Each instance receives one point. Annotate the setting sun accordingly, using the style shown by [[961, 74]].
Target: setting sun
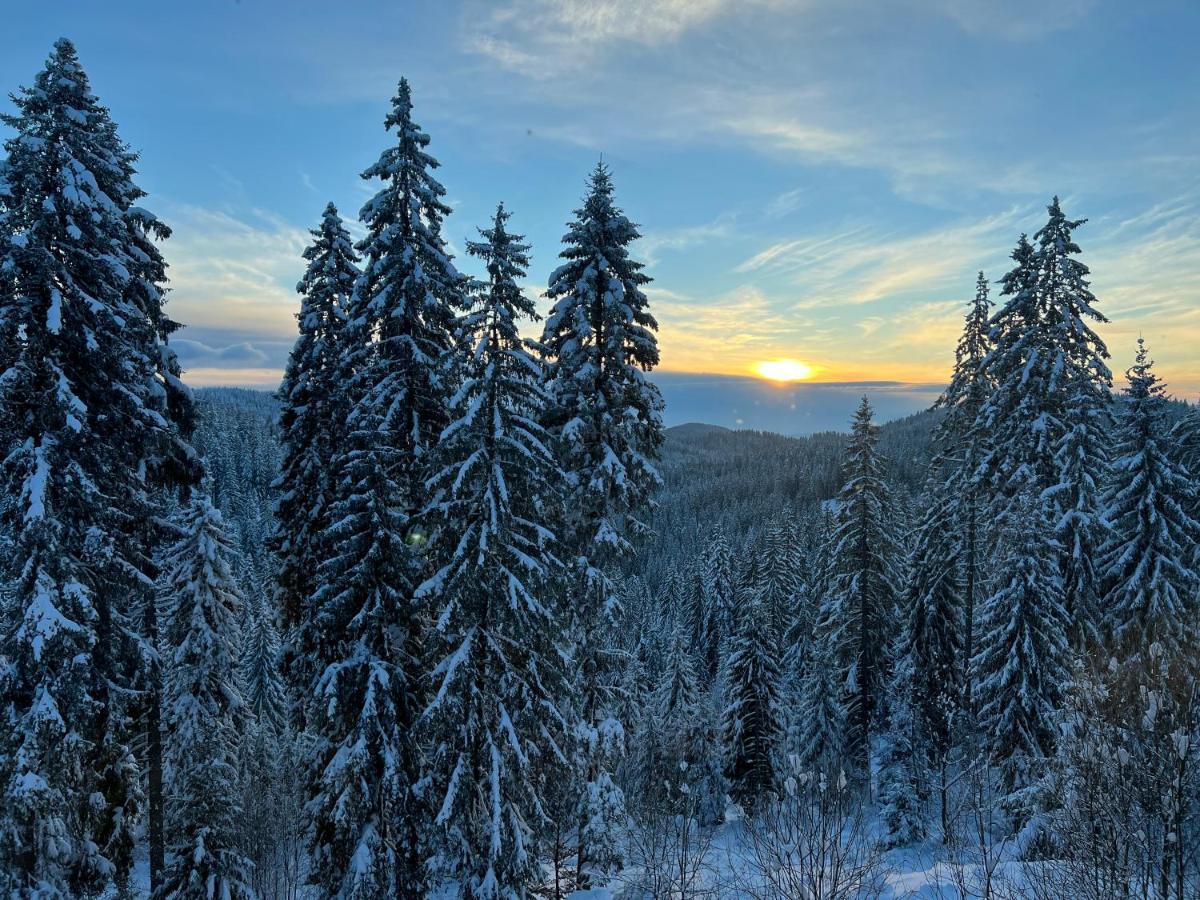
[[784, 370]]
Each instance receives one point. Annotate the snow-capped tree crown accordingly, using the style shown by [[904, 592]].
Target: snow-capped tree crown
[[599, 335]]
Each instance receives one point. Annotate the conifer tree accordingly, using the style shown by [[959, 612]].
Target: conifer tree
[[1185, 450], [713, 599], [903, 775], [407, 298], [495, 719], [818, 737], [365, 626], [753, 721], [606, 420], [1147, 561], [313, 413], [92, 420], [1046, 415], [364, 819], [271, 804], [204, 713], [803, 637], [780, 570], [931, 644], [926, 686], [959, 447], [859, 609], [262, 684], [1021, 663], [682, 754]]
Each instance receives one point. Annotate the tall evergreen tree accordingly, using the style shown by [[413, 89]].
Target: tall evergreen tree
[[681, 742], [753, 721], [960, 446], [1185, 444], [312, 416], [366, 628], [205, 716], [92, 419], [780, 567], [1046, 415], [364, 818], [1147, 562], [495, 720], [931, 645], [818, 730], [408, 297], [259, 663], [859, 609], [711, 602], [271, 813], [927, 684], [1021, 663], [606, 419]]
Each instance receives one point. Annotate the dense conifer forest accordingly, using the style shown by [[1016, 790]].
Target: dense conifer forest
[[452, 614]]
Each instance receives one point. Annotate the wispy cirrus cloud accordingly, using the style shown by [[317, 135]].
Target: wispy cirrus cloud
[[545, 38], [233, 285], [861, 265], [1016, 20], [655, 244], [227, 267], [1145, 272]]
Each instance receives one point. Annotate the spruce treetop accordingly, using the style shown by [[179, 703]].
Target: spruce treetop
[[1147, 559], [599, 335], [405, 303]]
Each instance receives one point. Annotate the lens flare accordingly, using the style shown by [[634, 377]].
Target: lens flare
[[784, 370]]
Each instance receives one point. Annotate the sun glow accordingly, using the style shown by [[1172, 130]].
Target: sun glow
[[784, 370]]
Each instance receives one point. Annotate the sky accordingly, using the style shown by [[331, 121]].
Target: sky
[[817, 180]]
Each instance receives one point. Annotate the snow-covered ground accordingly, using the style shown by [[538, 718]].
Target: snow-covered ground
[[921, 873], [907, 874]]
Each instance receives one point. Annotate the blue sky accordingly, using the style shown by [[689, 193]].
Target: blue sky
[[815, 180]]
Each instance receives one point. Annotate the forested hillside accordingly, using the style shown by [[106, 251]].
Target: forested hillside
[[740, 482]]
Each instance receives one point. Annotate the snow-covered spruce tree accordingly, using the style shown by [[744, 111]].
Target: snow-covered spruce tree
[[817, 735], [267, 831], [1081, 453], [1185, 438], [960, 446], [711, 606], [1185, 450], [407, 299], [1022, 660], [802, 637], [261, 679], [781, 573], [91, 421], [681, 751], [1147, 563], [926, 686], [204, 712], [313, 414], [753, 720], [364, 819], [904, 776], [1046, 415], [606, 420], [859, 607], [495, 716], [363, 623]]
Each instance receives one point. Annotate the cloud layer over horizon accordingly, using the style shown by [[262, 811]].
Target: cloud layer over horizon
[[814, 180]]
